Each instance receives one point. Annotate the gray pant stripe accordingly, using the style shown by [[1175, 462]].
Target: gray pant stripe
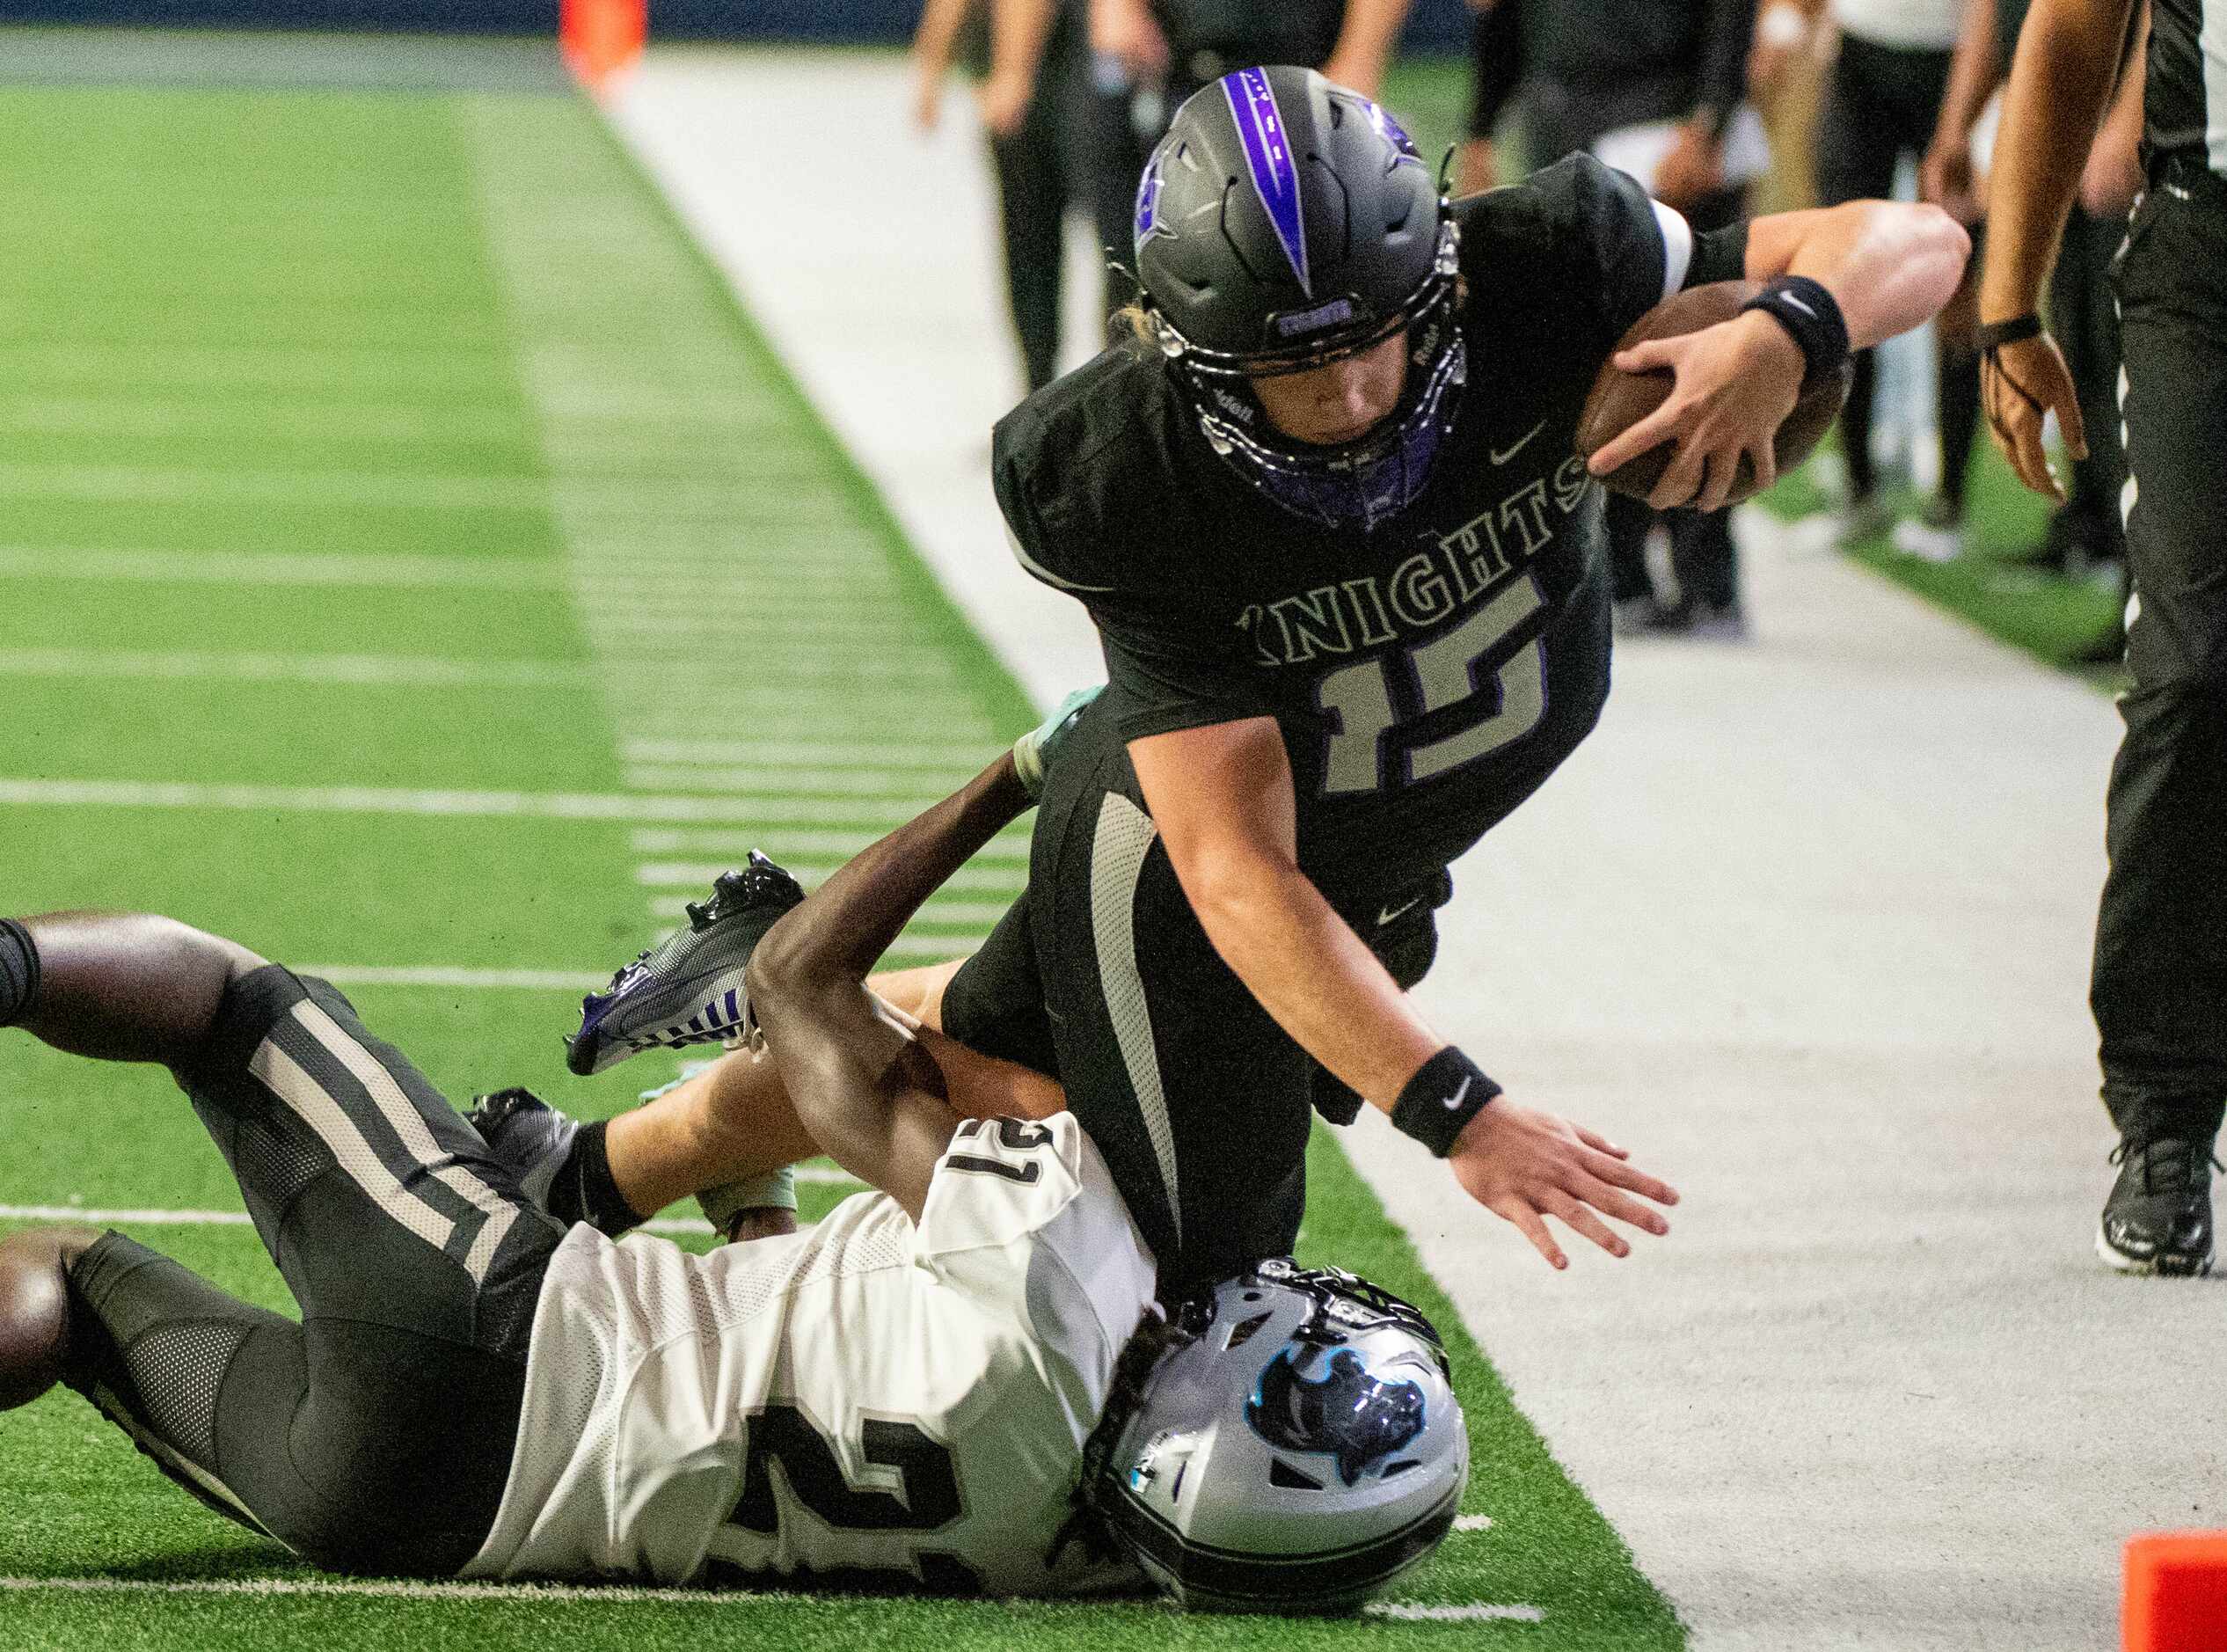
[[409, 1125], [338, 1131], [1125, 834]]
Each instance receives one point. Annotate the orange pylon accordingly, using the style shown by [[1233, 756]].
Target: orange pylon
[[2176, 1592], [601, 37]]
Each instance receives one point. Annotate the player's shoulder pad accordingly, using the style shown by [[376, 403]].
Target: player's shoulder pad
[[1577, 204], [1071, 464], [1000, 1180]]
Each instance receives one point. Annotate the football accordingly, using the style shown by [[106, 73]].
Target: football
[[34, 1318], [1618, 399]]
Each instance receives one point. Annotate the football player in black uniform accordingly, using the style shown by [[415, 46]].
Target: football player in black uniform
[[1349, 580]]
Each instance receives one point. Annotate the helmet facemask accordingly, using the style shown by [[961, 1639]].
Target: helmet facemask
[[1362, 482]]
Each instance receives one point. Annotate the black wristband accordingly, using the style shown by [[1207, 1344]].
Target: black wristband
[[1996, 335], [1812, 319], [1447, 1092]]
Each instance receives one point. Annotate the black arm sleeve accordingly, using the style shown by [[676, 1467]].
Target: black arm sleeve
[[1721, 255]]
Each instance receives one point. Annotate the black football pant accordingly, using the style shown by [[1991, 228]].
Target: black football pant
[[375, 1435], [1043, 169], [1881, 105], [2159, 990], [1102, 976]]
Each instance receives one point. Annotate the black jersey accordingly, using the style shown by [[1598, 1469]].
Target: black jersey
[[1428, 675], [2185, 94]]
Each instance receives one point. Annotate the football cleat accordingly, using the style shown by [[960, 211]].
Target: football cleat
[[688, 990], [2158, 1219], [533, 1138]]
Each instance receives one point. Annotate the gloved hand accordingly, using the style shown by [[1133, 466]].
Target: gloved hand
[[1034, 751]]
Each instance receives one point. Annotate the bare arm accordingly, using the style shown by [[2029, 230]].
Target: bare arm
[[1019, 30], [1365, 44], [932, 42], [1222, 797], [2066, 65], [1944, 175], [862, 1086]]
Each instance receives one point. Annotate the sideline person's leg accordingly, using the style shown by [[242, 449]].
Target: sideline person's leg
[[377, 1433], [1856, 161], [2161, 937]]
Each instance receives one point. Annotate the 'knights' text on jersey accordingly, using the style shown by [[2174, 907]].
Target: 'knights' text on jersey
[[1427, 676]]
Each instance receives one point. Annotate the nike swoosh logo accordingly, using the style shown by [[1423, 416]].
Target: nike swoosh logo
[[1502, 456], [1455, 1100], [1788, 298], [1393, 914]]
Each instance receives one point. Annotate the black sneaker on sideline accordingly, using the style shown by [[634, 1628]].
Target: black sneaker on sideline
[[2158, 1219], [688, 990]]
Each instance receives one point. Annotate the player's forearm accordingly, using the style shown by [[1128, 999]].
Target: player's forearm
[[1972, 76], [1889, 266], [933, 40], [1366, 39], [2066, 65], [1314, 977], [1017, 32], [849, 921]]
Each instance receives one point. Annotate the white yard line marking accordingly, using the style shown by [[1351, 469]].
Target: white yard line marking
[[568, 1593], [806, 753], [1472, 1523], [358, 670], [446, 976], [364, 799], [833, 782], [668, 874], [1010, 845], [228, 568], [1402, 1612]]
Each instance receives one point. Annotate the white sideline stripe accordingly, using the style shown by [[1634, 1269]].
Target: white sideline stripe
[[366, 800], [1403, 1612], [229, 567], [616, 1594], [1472, 1523]]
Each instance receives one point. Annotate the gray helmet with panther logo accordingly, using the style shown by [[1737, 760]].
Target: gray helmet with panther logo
[[1298, 1449], [1284, 222]]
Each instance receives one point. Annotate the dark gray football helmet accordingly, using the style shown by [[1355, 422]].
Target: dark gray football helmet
[[1281, 224]]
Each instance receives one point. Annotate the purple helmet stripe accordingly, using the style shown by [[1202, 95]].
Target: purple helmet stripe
[[1267, 153]]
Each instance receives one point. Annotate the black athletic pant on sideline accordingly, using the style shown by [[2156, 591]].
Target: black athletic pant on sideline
[[2159, 990], [375, 1435], [1882, 104], [2083, 319], [1042, 171]]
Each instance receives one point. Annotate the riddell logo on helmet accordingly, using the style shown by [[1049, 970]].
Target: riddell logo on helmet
[[1336, 312]]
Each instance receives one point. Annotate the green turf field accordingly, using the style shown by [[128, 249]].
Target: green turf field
[[412, 564]]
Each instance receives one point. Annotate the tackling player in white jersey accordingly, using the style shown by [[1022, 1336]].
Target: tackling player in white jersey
[[931, 1390]]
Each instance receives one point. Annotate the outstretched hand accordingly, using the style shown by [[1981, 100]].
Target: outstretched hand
[[1524, 1166], [2020, 383], [1732, 386]]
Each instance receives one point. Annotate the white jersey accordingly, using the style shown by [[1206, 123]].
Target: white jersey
[[869, 1397]]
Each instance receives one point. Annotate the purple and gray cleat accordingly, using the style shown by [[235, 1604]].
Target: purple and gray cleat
[[689, 990]]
